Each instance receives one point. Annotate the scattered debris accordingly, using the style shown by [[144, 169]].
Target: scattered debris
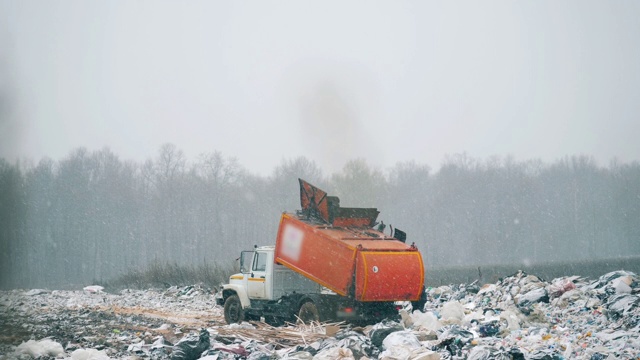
[[89, 354], [93, 289], [36, 349], [33, 292], [191, 346], [519, 317]]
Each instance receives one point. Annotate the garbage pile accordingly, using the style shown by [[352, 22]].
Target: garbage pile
[[523, 317], [519, 317], [117, 324]]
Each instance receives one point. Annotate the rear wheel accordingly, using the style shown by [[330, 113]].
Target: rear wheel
[[308, 313], [233, 312]]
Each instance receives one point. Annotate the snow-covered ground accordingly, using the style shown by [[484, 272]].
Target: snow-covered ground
[[520, 317]]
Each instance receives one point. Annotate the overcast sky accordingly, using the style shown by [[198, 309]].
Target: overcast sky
[[265, 81]]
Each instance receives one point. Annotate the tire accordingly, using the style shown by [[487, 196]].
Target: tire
[[233, 311], [308, 313]]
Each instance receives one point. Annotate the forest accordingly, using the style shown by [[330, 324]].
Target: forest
[[92, 216]]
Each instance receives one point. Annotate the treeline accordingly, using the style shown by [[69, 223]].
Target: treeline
[[92, 216]]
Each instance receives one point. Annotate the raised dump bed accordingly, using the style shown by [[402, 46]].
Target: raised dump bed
[[339, 249]]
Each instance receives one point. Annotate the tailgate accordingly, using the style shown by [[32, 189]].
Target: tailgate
[[389, 276]]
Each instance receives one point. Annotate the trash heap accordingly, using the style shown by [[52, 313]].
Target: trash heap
[[519, 317], [116, 324], [524, 317]]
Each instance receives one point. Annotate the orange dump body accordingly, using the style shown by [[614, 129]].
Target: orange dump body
[[353, 261]]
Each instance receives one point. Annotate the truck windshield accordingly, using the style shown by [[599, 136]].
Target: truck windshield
[[245, 261]]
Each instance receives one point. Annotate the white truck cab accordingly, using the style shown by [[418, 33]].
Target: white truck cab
[[262, 286]]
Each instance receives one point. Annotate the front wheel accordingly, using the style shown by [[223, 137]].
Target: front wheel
[[308, 313], [233, 312]]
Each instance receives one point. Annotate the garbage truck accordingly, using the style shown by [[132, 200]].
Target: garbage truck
[[329, 263]]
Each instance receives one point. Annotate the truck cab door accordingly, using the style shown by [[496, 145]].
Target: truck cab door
[[246, 261], [256, 285]]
